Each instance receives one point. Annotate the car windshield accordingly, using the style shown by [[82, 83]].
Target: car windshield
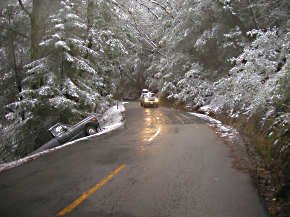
[[149, 95], [58, 129]]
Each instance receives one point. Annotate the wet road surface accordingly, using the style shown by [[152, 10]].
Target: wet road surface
[[162, 163]]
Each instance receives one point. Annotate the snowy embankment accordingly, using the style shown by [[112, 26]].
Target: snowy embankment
[[111, 120], [222, 130]]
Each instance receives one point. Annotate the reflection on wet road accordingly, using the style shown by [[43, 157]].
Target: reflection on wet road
[[156, 119], [152, 125], [157, 124]]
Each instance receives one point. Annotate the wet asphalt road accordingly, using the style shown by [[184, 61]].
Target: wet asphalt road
[[173, 166]]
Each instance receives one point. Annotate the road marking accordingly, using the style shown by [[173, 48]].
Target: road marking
[[85, 195], [156, 134]]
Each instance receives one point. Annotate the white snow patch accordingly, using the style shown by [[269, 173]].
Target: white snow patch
[[113, 115], [56, 36], [205, 108], [205, 117], [224, 131], [80, 25], [72, 16], [62, 44], [46, 42], [59, 26], [112, 119]]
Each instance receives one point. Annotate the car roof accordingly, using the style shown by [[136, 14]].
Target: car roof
[[149, 93]]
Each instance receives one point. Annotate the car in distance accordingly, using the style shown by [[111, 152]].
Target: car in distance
[[149, 99], [86, 127], [145, 91]]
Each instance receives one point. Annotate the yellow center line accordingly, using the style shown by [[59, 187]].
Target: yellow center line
[[156, 134], [89, 192]]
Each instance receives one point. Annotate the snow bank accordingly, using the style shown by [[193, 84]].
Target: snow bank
[[224, 131], [112, 116], [111, 120], [205, 117]]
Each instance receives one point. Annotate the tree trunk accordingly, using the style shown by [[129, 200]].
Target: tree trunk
[[35, 29], [90, 19], [14, 65], [12, 58]]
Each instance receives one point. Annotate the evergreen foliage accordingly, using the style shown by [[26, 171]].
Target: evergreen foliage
[[63, 78]]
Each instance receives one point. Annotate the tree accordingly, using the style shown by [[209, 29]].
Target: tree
[[35, 19], [13, 45], [35, 29], [64, 85]]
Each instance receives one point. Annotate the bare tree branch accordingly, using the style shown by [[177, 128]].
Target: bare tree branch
[[143, 35], [163, 7], [253, 14], [149, 9], [24, 9]]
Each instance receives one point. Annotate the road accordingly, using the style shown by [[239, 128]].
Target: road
[[162, 163]]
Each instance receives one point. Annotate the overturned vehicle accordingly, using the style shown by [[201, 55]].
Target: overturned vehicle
[[63, 133]]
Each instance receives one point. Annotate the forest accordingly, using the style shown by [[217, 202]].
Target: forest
[[62, 60]]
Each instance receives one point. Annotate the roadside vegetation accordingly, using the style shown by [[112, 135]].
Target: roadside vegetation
[[63, 60]]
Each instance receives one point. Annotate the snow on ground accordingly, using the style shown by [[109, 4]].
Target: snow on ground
[[222, 130], [112, 117], [205, 117], [111, 120]]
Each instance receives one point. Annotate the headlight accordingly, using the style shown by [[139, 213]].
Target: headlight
[[146, 100], [156, 99]]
